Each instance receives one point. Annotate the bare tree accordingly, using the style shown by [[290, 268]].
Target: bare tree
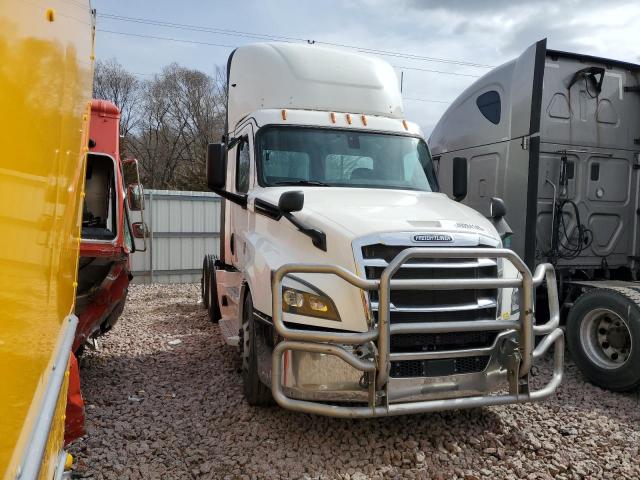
[[167, 120], [114, 83]]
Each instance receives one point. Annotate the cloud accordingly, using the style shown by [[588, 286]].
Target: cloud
[[488, 32]]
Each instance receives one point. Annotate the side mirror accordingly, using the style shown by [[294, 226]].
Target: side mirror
[[140, 230], [497, 208], [216, 165], [459, 178], [291, 201], [135, 197]]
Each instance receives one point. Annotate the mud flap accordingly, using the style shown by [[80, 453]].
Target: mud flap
[[74, 414]]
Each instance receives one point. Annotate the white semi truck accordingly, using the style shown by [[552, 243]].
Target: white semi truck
[[351, 286]]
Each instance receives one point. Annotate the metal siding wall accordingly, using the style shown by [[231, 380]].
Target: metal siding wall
[[184, 227]]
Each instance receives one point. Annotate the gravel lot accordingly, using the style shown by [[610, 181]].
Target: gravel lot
[[157, 408]]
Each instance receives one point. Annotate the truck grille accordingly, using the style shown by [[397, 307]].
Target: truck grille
[[437, 342], [411, 306], [438, 368]]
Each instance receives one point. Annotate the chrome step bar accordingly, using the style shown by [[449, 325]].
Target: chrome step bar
[[331, 342]]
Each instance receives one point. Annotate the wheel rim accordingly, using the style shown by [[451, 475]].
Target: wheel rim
[[606, 338]]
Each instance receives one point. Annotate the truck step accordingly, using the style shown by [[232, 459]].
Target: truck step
[[229, 332]]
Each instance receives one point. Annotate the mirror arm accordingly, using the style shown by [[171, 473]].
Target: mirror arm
[[128, 220], [233, 142], [501, 226], [267, 209], [240, 200], [318, 237]]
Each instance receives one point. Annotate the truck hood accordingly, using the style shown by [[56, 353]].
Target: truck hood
[[358, 212]]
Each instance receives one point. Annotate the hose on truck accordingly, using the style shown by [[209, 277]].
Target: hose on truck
[[563, 245]]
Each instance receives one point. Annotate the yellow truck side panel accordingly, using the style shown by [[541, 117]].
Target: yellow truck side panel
[[46, 63]]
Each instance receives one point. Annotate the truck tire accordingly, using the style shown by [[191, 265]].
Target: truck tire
[[213, 307], [256, 393], [603, 336], [204, 282]]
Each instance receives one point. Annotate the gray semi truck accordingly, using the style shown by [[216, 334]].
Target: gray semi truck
[[557, 136]]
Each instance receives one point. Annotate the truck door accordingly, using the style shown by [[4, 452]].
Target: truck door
[[241, 161], [236, 220]]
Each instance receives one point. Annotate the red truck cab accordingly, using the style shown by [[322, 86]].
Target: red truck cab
[[104, 269]]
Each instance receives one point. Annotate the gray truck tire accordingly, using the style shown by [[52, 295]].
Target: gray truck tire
[[603, 336]]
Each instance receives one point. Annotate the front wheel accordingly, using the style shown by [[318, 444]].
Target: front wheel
[[256, 393], [603, 336]]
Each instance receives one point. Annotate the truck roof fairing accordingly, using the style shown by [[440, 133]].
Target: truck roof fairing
[[309, 77]]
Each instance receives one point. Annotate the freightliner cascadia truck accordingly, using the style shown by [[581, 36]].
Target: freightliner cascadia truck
[[351, 285], [556, 135]]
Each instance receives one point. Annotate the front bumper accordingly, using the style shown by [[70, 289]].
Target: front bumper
[[352, 370]]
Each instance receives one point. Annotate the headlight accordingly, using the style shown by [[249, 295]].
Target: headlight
[[309, 304]]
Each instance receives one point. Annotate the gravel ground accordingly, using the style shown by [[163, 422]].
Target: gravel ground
[[158, 408]]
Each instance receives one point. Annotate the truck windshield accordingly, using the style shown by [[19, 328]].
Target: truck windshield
[[340, 158]]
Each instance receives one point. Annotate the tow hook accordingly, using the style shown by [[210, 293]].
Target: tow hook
[[510, 357]]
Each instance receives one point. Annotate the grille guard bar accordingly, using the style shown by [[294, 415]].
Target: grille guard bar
[[378, 369]]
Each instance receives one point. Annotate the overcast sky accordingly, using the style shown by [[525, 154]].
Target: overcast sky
[[487, 32]]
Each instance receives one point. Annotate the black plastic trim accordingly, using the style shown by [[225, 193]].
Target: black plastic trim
[[232, 197], [532, 203], [534, 155], [267, 209], [536, 93], [318, 237]]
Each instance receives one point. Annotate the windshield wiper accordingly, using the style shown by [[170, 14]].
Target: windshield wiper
[[311, 183]]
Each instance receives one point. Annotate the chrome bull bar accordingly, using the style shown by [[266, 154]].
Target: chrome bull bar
[[332, 343]]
